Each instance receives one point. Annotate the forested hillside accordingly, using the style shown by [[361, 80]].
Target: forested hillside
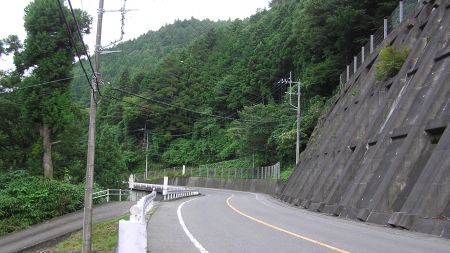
[[206, 91]]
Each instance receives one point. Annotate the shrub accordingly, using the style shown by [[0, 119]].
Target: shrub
[[390, 62], [26, 200]]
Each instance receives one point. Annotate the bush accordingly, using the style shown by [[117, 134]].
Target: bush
[[391, 61], [26, 200]]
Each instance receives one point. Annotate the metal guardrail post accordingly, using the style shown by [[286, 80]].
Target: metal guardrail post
[[355, 65], [385, 30], [107, 196], [120, 194]]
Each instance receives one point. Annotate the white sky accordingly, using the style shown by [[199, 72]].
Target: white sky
[[150, 15]]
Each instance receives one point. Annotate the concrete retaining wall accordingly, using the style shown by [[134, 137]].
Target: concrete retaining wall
[[382, 153], [251, 185]]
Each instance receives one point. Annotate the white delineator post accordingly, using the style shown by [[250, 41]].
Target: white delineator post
[[184, 169]]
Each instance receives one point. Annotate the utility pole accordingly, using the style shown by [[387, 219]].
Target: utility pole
[[297, 152], [290, 82], [87, 221], [146, 151]]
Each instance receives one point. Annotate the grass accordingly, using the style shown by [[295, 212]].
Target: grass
[[286, 173], [104, 237], [390, 62]]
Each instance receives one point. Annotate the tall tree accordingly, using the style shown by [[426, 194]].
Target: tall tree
[[48, 55]]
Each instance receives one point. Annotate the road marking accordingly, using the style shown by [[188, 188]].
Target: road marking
[[284, 230], [186, 230]]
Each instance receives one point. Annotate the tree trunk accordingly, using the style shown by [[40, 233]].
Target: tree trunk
[[47, 145]]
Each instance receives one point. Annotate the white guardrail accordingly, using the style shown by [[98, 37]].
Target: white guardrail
[[133, 233]]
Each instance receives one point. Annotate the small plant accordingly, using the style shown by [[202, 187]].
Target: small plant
[[391, 60], [355, 92]]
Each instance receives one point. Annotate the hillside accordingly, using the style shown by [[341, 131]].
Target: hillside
[[213, 96], [205, 91], [381, 154]]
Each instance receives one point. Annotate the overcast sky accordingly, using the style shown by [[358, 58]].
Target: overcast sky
[[146, 15]]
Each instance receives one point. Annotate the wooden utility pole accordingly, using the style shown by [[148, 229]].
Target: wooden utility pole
[[87, 221]]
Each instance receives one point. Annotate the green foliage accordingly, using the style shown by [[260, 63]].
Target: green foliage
[[230, 164], [26, 200], [390, 62], [286, 173]]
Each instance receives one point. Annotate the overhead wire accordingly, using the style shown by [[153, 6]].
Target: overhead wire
[[61, 10], [84, 46], [184, 108], [42, 84]]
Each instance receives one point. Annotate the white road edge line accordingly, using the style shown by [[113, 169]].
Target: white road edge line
[[186, 230]]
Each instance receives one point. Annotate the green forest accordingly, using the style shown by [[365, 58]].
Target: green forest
[[205, 91]]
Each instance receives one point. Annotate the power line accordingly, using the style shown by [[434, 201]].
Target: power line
[[44, 83], [131, 103], [185, 109], [84, 46], [61, 10]]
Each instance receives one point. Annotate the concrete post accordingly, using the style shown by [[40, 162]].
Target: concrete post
[[363, 54], [348, 73], [132, 237], [385, 32], [401, 11], [372, 40], [166, 182]]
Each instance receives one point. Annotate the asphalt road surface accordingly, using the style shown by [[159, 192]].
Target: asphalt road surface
[[230, 221], [60, 226]]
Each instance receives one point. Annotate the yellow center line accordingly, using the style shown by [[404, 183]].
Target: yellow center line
[[284, 230]]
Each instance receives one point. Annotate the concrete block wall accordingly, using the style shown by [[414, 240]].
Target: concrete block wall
[[382, 153]]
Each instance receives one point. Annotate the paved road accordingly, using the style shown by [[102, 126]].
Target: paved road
[[59, 226], [229, 221]]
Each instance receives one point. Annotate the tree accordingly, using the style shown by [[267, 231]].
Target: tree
[[9, 45], [48, 55]]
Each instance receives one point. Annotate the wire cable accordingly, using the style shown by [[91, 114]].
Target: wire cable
[[186, 109], [61, 10], [84, 46], [41, 84]]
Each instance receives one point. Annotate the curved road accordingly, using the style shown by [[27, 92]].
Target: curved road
[[231, 221]]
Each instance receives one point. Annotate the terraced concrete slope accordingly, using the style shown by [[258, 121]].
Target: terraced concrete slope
[[382, 153]]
